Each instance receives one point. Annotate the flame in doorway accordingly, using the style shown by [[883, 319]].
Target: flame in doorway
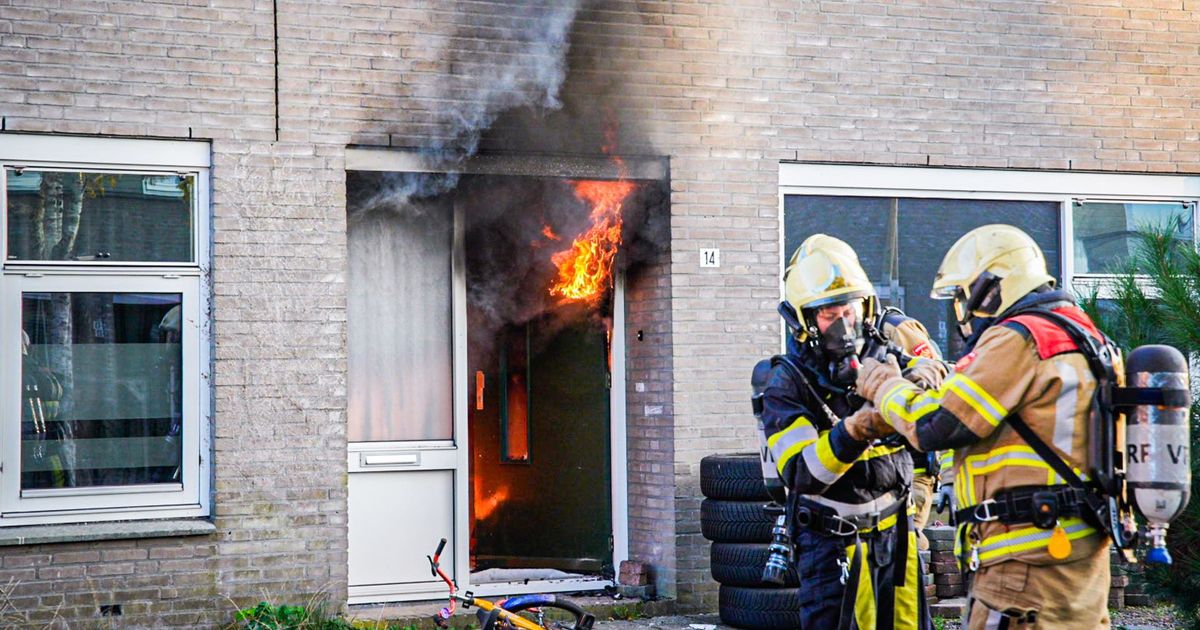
[[585, 270], [485, 503]]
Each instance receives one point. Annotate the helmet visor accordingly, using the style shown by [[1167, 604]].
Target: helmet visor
[[944, 293], [830, 313]]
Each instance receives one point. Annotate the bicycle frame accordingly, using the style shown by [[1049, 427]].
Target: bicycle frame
[[468, 600]]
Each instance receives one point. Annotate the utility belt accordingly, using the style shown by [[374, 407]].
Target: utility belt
[[1040, 505], [825, 520]]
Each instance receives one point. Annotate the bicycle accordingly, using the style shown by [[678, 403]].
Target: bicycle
[[505, 614]]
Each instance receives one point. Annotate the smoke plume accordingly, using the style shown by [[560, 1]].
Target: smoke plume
[[503, 57]]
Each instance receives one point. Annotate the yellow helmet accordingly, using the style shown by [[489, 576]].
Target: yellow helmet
[[822, 271], [988, 270]]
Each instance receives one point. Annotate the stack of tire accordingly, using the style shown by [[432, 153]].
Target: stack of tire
[[733, 518]]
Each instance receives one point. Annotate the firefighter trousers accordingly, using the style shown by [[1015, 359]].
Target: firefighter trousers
[[883, 580], [1020, 596]]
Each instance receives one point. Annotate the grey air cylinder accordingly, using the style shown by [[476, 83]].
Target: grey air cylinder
[[1157, 447]]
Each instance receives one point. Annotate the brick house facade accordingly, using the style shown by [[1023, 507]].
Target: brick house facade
[[726, 91]]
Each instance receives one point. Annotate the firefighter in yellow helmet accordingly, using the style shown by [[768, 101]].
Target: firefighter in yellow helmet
[[848, 495], [1016, 411]]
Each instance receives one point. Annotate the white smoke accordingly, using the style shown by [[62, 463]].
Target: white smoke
[[503, 57]]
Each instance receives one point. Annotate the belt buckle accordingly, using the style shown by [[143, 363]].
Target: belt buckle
[[987, 516], [872, 521], [843, 527]]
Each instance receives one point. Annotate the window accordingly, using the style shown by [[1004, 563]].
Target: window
[[902, 220], [900, 243], [103, 353], [1105, 236]]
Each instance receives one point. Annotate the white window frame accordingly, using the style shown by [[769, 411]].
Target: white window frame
[[192, 280], [1063, 187]]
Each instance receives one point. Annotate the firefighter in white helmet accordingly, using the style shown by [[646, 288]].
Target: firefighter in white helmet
[[848, 495], [1016, 413]]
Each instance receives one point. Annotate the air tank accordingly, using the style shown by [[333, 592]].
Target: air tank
[[1157, 447], [758, 381]]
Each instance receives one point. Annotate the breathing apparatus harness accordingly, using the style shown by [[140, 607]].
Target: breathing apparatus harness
[[1102, 501], [1097, 500], [808, 514]]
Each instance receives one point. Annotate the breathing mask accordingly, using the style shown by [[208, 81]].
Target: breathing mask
[[841, 344]]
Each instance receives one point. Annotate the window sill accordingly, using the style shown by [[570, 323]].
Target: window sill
[[119, 530]]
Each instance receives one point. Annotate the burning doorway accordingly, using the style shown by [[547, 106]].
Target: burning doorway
[[513, 396]]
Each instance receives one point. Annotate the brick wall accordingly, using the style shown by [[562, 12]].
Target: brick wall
[[650, 422], [725, 89]]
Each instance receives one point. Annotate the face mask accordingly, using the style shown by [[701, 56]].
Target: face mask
[[840, 344]]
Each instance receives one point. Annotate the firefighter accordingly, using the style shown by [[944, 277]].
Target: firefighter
[[1019, 399], [848, 496]]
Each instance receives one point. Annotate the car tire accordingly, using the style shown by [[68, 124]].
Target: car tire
[[741, 564], [733, 477], [735, 521], [760, 608]]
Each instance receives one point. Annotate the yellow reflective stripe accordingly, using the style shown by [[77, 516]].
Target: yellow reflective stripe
[[828, 459], [1029, 538], [905, 597], [906, 402], [785, 444], [880, 451], [979, 400], [960, 534], [945, 460], [995, 459], [864, 595], [964, 486], [822, 463]]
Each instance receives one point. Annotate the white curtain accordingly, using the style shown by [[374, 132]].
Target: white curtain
[[399, 320]]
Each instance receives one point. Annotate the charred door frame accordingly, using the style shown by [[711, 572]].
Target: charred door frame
[[574, 167]]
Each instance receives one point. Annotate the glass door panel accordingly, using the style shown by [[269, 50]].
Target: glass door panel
[[400, 326]]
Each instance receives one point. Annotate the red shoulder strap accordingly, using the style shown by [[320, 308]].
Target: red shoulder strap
[[1049, 338]]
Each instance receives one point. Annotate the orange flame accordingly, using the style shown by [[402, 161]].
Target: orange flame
[[486, 503], [584, 271], [548, 232]]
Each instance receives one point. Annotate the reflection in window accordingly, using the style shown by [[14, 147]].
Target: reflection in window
[[82, 216], [901, 242], [1106, 233], [101, 399]]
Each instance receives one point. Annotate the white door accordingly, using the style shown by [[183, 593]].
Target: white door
[[406, 456]]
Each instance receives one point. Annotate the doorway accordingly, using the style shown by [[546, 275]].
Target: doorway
[[498, 428]]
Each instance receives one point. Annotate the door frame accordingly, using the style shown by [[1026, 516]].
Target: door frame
[[573, 167]]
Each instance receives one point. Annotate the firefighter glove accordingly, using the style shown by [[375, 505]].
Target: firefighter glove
[[873, 374], [927, 373], [866, 424]]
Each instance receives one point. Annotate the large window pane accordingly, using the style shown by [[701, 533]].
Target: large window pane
[[901, 242], [1106, 233], [101, 399], [399, 322], [86, 216]]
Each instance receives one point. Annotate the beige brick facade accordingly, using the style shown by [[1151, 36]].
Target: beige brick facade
[[725, 90]]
